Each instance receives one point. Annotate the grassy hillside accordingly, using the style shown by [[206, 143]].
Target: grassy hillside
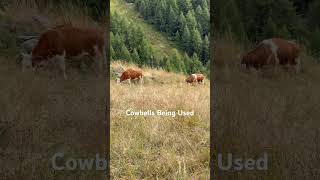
[[159, 41], [43, 114], [156, 147], [257, 112]]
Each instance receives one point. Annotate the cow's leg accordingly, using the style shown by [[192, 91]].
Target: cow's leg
[[298, 66], [141, 80], [26, 61], [98, 60], [62, 64], [104, 54]]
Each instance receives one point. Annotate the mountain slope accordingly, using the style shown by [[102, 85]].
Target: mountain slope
[[160, 43]]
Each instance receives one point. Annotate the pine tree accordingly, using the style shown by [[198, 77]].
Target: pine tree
[[313, 14], [205, 55], [185, 5], [191, 20], [125, 54], [196, 66], [195, 41], [185, 37], [159, 14], [135, 56], [181, 22], [177, 37], [145, 53], [270, 30], [205, 17], [112, 53], [187, 63], [176, 61], [167, 64], [172, 25], [315, 42], [117, 43]]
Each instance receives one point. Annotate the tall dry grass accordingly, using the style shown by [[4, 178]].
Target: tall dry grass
[[156, 147], [259, 112], [42, 114]]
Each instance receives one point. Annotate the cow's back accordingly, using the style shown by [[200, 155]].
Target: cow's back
[[259, 56], [287, 50], [79, 40], [131, 74], [200, 77], [71, 40]]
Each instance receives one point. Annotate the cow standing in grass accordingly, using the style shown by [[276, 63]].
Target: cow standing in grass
[[195, 78], [66, 41], [273, 52], [131, 74]]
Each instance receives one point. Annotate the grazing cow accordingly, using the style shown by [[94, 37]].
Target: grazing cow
[[67, 41], [273, 52], [195, 78], [131, 74]]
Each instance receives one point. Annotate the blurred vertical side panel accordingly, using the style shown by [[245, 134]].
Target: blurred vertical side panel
[[266, 74], [54, 89]]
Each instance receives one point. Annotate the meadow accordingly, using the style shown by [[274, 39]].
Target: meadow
[[157, 147], [260, 111]]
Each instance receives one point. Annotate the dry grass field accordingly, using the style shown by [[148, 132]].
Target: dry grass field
[[259, 112], [42, 114], [156, 147]]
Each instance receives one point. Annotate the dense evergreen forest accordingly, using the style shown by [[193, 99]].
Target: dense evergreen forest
[[254, 20], [185, 22]]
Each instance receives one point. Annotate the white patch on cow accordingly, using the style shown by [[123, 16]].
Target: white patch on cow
[[298, 66], [273, 47], [118, 80], [26, 61], [62, 63], [194, 77]]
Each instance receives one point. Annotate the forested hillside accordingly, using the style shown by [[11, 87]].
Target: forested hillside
[[254, 20], [185, 23]]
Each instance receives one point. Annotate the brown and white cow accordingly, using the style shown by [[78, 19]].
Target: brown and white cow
[[195, 78], [67, 41], [131, 74], [273, 52]]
